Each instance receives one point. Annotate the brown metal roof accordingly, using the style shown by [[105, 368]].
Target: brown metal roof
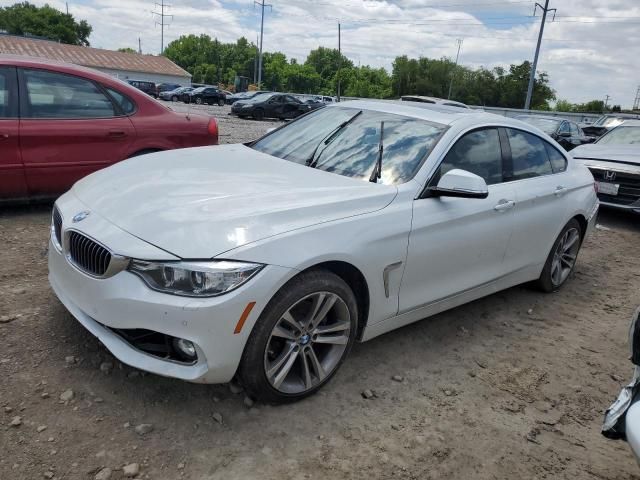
[[89, 57]]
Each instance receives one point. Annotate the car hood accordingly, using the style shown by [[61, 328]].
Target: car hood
[[200, 202], [613, 153]]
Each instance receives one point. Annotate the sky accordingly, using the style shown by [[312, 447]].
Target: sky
[[590, 50]]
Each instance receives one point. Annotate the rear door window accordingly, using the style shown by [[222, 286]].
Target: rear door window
[[124, 102], [477, 152], [529, 155], [56, 95]]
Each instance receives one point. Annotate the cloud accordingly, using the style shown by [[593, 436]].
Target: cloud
[[586, 55]]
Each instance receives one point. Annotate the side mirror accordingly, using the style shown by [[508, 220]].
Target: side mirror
[[460, 183]]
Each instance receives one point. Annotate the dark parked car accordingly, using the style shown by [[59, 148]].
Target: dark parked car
[[166, 87], [60, 122], [147, 87], [244, 96], [606, 122], [205, 95], [272, 105], [174, 95], [566, 133]]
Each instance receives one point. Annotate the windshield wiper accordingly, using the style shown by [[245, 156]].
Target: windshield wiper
[[312, 160], [377, 168]]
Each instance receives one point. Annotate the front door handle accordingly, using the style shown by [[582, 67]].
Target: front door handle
[[560, 190], [117, 134], [4, 135], [504, 205]]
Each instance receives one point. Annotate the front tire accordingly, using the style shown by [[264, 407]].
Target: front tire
[[301, 338], [199, 101], [221, 102], [562, 258]]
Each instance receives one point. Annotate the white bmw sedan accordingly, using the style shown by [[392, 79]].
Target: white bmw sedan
[[269, 260]]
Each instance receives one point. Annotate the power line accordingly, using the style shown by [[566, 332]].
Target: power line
[[532, 77], [161, 22]]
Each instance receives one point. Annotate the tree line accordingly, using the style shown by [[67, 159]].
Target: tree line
[[211, 61]]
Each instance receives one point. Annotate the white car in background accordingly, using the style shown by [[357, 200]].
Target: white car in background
[[614, 161], [269, 260]]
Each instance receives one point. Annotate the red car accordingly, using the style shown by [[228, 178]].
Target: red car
[[60, 122]]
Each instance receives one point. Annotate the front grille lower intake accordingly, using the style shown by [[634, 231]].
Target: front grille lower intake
[[88, 255]]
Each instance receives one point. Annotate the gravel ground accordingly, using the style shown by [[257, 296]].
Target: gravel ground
[[232, 129], [510, 386]]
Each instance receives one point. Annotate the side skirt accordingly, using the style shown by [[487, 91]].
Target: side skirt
[[521, 276]]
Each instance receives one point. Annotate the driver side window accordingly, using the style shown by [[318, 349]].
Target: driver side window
[[476, 152]]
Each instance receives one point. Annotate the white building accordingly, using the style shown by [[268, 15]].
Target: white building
[[126, 66]]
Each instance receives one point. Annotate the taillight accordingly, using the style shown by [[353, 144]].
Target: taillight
[[212, 128]]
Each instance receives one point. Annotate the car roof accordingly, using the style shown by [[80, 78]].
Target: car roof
[[630, 123], [438, 113], [544, 117]]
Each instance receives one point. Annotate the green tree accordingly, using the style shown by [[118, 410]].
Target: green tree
[[27, 19], [127, 50]]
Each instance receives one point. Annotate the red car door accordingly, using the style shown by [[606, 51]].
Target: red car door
[[12, 180], [69, 127]]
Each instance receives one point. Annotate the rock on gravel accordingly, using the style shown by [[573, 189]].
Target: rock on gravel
[[235, 388], [367, 394], [41, 428], [248, 402], [144, 428], [67, 395], [16, 422], [9, 318], [397, 378], [131, 470], [106, 367], [104, 474], [217, 417]]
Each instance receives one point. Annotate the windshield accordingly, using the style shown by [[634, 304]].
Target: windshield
[[353, 150], [622, 136], [198, 90], [547, 125]]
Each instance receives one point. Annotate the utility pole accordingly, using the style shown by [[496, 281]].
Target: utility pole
[[255, 63], [636, 102], [161, 22], [262, 5], [139, 45], [339, 63], [67, 5], [606, 101], [532, 76], [459, 40]]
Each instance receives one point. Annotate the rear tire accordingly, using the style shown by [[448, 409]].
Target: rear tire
[[562, 258], [221, 102], [199, 101], [258, 114], [174, 98], [301, 338]]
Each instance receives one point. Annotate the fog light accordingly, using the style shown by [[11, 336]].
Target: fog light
[[185, 348]]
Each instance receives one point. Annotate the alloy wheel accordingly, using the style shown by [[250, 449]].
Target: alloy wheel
[[564, 257], [307, 343]]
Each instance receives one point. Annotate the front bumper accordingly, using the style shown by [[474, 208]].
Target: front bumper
[[123, 301]]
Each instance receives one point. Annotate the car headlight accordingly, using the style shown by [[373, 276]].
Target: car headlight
[[247, 106], [194, 279]]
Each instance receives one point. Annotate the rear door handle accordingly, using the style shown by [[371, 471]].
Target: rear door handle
[[117, 134], [504, 205], [560, 190]]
